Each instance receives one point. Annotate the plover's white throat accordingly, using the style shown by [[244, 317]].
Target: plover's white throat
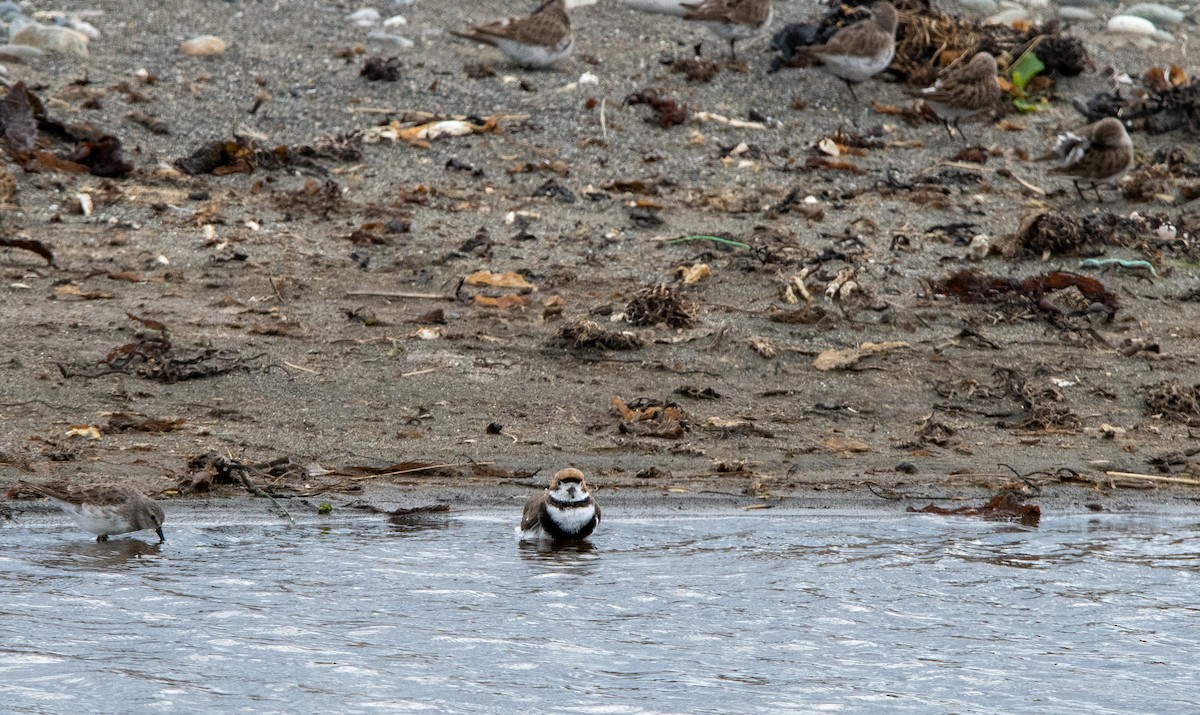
[[1099, 152], [106, 510], [966, 90], [534, 42], [860, 51], [564, 512]]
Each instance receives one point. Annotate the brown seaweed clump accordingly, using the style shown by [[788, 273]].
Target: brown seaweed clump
[[1174, 401], [661, 303]]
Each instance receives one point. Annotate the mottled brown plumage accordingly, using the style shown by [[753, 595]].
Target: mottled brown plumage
[[862, 50], [106, 509], [1099, 152], [731, 20], [964, 91], [533, 42]]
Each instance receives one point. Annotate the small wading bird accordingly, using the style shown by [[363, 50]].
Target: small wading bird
[[731, 20], [107, 509], [860, 51], [965, 91], [534, 42], [564, 512], [1100, 152]]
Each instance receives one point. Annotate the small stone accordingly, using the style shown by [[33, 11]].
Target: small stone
[[1130, 25], [1160, 15], [9, 10], [388, 38], [203, 46], [1008, 17], [53, 39], [980, 246], [366, 17], [983, 7], [86, 28], [395, 21], [1077, 14]]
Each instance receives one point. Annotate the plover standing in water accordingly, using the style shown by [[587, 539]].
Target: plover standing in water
[[564, 512], [107, 509]]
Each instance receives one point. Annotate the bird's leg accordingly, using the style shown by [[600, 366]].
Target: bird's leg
[[1096, 188], [1078, 190], [949, 131], [850, 86], [961, 133], [732, 51]]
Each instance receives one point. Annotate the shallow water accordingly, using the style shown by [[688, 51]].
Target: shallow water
[[762, 613]]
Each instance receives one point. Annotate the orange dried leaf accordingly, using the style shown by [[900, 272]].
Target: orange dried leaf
[[619, 405], [505, 301]]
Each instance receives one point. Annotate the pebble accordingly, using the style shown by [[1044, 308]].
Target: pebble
[[980, 246], [202, 46], [1130, 25], [1077, 13], [366, 17], [1160, 15], [86, 28], [52, 38], [20, 53], [395, 21], [983, 7], [9, 10], [389, 38], [1008, 17]]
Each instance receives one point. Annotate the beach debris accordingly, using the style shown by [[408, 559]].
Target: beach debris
[[31, 245], [1173, 400], [420, 128], [379, 69], [202, 46], [971, 286], [661, 304], [847, 358], [582, 334], [1168, 99], [1006, 506], [647, 417], [668, 112]]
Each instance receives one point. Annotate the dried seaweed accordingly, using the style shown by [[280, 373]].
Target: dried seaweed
[[1173, 400], [579, 334], [663, 304], [668, 112], [970, 286], [1006, 506]]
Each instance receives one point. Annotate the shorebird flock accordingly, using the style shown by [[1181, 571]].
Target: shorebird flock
[[1097, 153]]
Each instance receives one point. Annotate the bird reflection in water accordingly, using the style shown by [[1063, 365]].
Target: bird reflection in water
[[102, 554]]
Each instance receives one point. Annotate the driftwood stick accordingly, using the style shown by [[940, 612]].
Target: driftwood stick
[[1154, 478]]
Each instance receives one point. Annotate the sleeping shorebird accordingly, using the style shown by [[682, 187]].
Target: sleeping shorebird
[[534, 42]]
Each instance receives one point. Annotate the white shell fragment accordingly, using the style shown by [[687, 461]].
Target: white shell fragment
[[1160, 15], [1130, 25]]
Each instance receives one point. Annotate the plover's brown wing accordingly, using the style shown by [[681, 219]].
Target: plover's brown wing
[[544, 28], [533, 512], [862, 39], [740, 12]]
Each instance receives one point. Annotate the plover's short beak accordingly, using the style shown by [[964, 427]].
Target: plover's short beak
[[161, 538]]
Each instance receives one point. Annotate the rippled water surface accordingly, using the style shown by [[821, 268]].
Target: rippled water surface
[[765, 613]]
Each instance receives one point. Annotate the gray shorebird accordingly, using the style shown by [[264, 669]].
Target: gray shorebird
[[965, 91], [731, 20], [1099, 152], [564, 512], [533, 42], [862, 50], [107, 509]]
